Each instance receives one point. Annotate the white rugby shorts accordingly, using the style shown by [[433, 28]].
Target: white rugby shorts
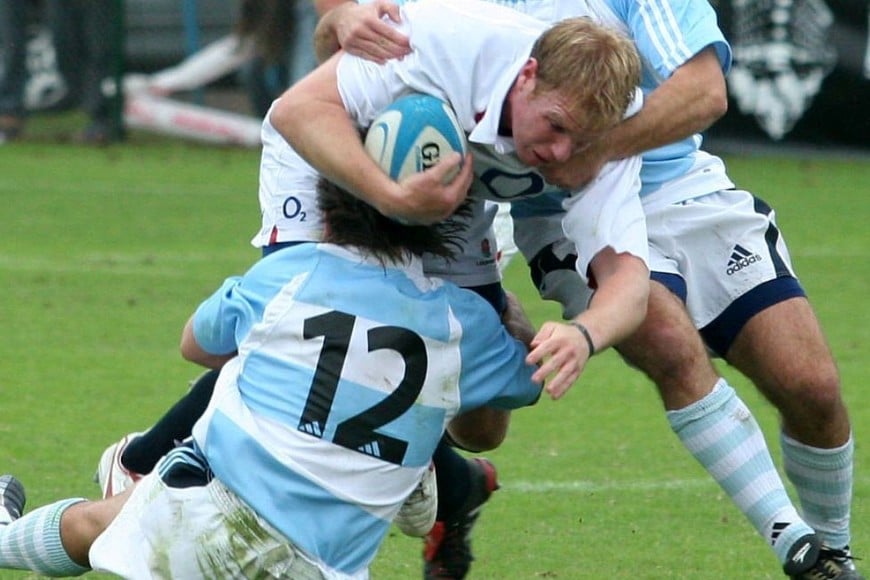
[[194, 533], [722, 245]]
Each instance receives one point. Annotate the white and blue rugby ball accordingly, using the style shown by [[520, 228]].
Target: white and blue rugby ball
[[413, 134]]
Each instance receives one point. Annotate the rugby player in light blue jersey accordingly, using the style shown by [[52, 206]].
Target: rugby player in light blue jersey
[[350, 365], [719, 265]]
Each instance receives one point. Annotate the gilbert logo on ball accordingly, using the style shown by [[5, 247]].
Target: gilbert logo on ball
[[413, 134]]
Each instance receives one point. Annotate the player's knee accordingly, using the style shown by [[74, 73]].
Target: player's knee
[[815, 387], [81, 523], [664, 350]]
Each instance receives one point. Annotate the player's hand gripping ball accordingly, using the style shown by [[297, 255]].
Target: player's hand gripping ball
[[413, 134]]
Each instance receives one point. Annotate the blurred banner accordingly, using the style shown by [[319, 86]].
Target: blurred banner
[[801, 71]]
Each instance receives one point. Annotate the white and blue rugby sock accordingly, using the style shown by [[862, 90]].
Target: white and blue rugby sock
[[32, 542], [721, 433], [823, 480]]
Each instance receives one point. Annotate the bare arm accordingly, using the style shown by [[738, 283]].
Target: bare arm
[[191, 350], [616, 310], [619, 304], [691, 100], [312, 118]]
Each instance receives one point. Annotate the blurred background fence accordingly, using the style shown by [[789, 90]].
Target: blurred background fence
[[801, 71]]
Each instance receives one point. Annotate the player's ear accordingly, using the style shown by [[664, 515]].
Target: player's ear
[[530, 69], [528, 74]]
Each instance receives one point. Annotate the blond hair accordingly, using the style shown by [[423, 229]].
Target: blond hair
[[595, 68]]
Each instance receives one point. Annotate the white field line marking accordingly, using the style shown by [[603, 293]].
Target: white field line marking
[[592, 486], [521, 486]]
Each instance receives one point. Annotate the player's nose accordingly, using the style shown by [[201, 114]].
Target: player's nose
[[561, 149]]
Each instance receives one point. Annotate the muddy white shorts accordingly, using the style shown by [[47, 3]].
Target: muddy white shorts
[[196, 532]]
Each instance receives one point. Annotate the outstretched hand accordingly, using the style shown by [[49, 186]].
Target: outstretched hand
[[561, 353]]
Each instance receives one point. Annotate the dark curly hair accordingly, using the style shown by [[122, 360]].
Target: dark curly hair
[[352, 222]]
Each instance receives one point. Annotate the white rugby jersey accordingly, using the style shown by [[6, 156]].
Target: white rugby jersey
[[287, 193], [667, 33], [469, 54], [347, 374]]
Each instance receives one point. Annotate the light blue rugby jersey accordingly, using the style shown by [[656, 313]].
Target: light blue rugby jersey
[[456, 356], [667, 33]]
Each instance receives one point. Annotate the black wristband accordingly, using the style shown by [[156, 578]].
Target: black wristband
[[585, 332]]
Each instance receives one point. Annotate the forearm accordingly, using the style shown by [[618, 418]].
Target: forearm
[[332, 145], [617, 309], [691, 100], [619, 304]]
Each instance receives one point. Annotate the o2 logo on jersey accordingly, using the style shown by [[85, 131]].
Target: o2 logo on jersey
[[292, 209], [430, 155]]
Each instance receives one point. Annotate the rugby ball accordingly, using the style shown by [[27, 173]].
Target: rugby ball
[[413, 134]]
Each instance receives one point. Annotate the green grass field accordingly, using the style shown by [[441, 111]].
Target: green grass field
[[105, 253]]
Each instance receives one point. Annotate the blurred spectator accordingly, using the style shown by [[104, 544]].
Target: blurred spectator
[[13, 67], [88, 38], [270, 26], [272, 46]]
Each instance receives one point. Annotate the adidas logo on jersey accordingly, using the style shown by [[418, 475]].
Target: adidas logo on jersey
[[741, 258]]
